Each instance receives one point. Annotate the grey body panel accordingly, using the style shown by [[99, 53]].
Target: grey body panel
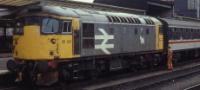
[[125, 40], [132, 42]]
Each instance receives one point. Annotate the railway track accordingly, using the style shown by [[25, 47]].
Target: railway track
[[127, 81], [187, 82], [5, 55], [194, 87], [148, 79]]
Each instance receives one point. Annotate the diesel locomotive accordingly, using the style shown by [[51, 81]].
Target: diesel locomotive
[[81, 42]]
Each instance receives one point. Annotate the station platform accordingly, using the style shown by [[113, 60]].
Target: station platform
[[4, 55], [3, 68], [2, 72]]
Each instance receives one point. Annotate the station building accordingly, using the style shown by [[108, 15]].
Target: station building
[[187, 8], [151, 7], [160, 8]]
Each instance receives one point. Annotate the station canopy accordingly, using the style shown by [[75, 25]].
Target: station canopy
[[16, 3], [10, 7]]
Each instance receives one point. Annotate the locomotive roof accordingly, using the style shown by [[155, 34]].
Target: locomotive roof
[[87, 15]]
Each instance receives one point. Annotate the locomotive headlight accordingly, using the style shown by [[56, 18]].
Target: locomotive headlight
[[51, 53], [53, 41]]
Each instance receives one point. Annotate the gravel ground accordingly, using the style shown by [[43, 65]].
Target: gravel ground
[[183, 83]]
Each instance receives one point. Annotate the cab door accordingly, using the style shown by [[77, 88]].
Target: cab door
[[76, 37], [65, 40], [160, 37], [69, 40]]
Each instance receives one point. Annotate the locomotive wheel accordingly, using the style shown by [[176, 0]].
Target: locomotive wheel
[[29, 74], [29, 78], [176, 58], [93, 74], [64, 74]]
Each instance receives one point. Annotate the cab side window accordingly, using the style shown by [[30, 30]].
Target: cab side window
[[67, 27]]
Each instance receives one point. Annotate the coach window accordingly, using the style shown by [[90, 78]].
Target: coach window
[[88, 35], [179, 33], [187, 34], [198, 33], [175, 33], [191, 30], [67, 27], [170, 33], [187, 30], [195, 34], [190, 34], [183, 33]]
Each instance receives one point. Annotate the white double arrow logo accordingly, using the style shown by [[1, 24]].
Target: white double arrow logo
[[105, 37]]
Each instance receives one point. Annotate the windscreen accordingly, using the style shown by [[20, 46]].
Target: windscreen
[[47, 25], [50, 25]]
